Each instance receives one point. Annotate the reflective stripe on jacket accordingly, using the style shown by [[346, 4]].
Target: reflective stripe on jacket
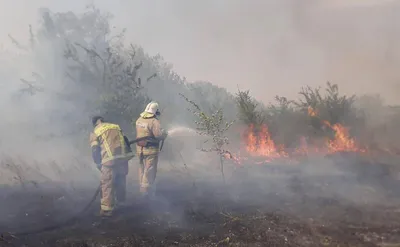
[[111, 141], [149, 127]]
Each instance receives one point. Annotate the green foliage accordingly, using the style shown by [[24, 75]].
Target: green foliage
[[211, 97], [214, 126], [248, 109], [94, 71], [286, 124], [288, 120], [117, 83], [331, 107], [282, 106]]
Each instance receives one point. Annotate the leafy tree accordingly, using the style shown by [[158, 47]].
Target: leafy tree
[[248, 110], [332, 106], [92, 70], [213, 126], [285, 122]]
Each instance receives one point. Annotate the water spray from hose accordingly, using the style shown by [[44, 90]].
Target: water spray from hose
[[181, 129]]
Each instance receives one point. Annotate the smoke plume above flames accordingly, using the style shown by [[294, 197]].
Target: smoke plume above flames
[[271, 47]]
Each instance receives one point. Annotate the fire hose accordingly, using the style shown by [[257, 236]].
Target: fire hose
[[77, 216], [60, 224]]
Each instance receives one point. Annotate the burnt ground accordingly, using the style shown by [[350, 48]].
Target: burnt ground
[[286, 207]]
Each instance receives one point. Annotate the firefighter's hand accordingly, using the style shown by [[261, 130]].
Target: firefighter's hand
[[165, 133], [98, 167]]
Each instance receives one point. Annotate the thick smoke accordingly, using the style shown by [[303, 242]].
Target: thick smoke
[[272, 47]]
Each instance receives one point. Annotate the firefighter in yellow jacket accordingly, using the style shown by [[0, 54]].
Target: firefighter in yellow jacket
[[111, 152], [148, 125]]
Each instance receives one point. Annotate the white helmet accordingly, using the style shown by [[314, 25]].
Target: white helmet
[[152, 108]]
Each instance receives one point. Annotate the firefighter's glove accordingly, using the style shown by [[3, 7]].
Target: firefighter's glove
[[98, 167], [96, 155], [165, 134]]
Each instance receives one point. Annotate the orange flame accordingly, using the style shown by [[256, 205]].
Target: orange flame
[[342, 141], [259, 142], [262, 144], [312, 112]]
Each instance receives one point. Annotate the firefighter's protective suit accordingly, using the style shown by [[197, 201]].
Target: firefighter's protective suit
[[111, 153], [148, 125]]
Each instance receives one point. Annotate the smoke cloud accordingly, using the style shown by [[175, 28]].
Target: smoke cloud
[[271, 47]]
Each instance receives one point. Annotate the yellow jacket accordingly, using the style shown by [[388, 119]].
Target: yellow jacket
[[110, 139]]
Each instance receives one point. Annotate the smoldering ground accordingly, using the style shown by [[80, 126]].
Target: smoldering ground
[[276, 203]]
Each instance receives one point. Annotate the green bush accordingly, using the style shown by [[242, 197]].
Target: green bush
[[289, 120]]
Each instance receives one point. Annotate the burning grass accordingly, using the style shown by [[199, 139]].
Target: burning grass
[[314, 125], [258, 142]]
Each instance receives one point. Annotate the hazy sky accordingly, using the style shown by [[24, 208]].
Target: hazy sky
[[268, 46]]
